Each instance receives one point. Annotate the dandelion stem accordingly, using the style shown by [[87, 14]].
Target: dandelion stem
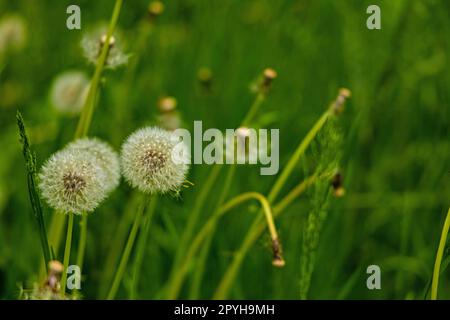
[[231, 272], [440, 253], [177, 281], [260, 97], [67, 253], [141, 246], [297, 155], [192, 222], [198, 272], [88, 109], [83, 238], [127, 251], [118, 242]]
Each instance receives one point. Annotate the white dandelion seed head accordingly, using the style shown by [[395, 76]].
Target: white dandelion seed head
[[13, 33], [106, 158], [92, 45], [72, 182], [69, 91], [154, 160]]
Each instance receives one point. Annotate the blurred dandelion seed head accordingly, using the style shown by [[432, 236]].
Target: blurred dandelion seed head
[[106, 157], [148, 163], [13, 33], [72, 181], [69, 91], [93, 42]]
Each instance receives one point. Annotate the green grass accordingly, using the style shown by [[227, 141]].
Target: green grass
[[395, 146]]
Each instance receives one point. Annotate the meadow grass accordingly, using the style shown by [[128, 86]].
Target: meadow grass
[[394, 150]]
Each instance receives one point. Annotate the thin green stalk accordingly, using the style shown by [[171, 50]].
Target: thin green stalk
[[231, 272], [127, 251], [67, 253], [440, 253], [117, 243], [140, 248], [193, 218], [83, 238], [30, 162], [176, 283], [286, 173], [260, 97], [199, 270], [192, 221], [88, 109]]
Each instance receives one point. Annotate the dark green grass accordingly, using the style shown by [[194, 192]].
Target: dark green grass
[[396, 135]]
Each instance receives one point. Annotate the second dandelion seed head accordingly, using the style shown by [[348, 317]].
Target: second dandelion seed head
[[149, 161]]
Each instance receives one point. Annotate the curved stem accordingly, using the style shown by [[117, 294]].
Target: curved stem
[[127, 251], [252, 236], [231, 272], [67, 253], [176, 283], [440, 253]]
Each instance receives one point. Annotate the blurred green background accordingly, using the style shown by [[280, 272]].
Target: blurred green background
[[396, 152]]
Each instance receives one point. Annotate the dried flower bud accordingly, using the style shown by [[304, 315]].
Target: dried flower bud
[[167, 104], [150, 163], [268, 76], [338, 105], [278, 260], [205, 77], [155, 8], [337, 184]]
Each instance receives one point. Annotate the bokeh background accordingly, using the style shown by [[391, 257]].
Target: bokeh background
[[396, 150]]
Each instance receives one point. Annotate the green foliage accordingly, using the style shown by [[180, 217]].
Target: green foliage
[[394, 154]]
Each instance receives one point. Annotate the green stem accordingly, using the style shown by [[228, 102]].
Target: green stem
[[176, 283], [260, 97], [232, 270], [192, 222], [88, 109], [67, 253], [117, 243], [287, 171], [82, 241], [127, 251], [440, 253], [140, 249], [199, 270]]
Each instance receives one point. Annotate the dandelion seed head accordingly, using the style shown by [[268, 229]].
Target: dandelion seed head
[[92, 44], [149, 162], [69, 91], [13, 33], [105, 156], [72, 182]]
